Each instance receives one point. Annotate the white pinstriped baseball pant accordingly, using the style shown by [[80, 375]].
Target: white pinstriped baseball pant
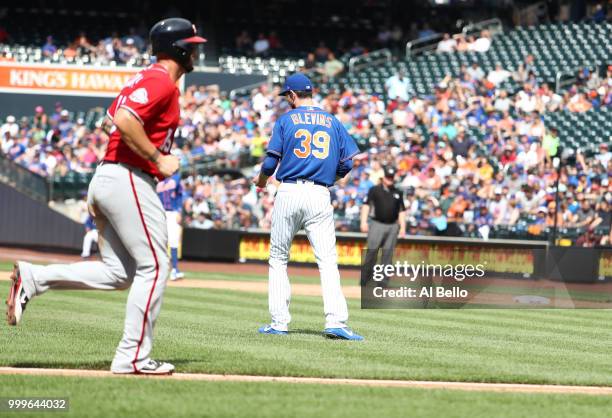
[[308, 206]]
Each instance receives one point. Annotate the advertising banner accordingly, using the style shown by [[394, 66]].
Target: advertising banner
[[70, 80]]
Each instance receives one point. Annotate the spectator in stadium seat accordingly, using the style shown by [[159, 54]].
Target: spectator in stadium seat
[[322, 52], [520, 75], [551, 101], [439, 222], [526, 101], [483, 43], [605, 155], [261, 45], [483, 222], [587, 240], [528, 200], [310, 62], [83, 45], [498, 75], [502, 102], [462, 45], [397, 86], [332, 66], [432, 181], [461, 145], [498, 207], [475, 71], [550, 143], [10, 126], [40, 119], [128, 51], [49, 47], [383, 38], [64, 124], [447, 44], [603, 215], [579, 103], [202, 221], [457, 208], [529, 64], [244, 43], [6, 142], [426, 31], [402, 117], [599, 13], [139, 42], [274, 41]]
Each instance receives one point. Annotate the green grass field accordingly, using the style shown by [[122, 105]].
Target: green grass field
[[215, 331], [157, 398]]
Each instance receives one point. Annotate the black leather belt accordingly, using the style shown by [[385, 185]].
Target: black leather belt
[[295, 181], [129, 167]]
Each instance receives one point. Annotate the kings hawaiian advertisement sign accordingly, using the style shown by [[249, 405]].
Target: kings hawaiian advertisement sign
[[72, 80]]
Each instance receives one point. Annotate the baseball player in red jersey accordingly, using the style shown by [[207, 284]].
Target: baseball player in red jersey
[[125, 205]]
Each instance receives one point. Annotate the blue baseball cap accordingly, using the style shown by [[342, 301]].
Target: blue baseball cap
[[296, 82]]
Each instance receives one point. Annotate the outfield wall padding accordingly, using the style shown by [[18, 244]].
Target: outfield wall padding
[[28, 222]]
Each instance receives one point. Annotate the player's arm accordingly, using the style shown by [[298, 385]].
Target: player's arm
[[273, 156], [342, 172], [135, 137], [402, 223], [348, 150], [365, 211], [107, 125], [267, 169], [401, 219]]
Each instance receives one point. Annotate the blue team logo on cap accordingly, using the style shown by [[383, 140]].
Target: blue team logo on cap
[[296, 82]]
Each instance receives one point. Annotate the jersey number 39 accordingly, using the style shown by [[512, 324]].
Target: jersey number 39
[[317, 144]]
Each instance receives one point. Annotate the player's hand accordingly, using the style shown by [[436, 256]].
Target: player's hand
[[167, 164], [364, 227], [260, 182]]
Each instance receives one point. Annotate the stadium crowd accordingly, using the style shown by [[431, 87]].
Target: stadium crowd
[[471, 158]]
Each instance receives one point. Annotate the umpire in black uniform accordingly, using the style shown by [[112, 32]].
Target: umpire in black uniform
[[384, 207]]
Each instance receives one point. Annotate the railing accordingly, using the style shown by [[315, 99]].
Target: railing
[[494, 26], [369, 58], [246, 89], [564, 79], [24, 180], [430, 43], [567, 78]]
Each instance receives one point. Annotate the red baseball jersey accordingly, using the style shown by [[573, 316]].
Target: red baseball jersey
[[153, 99]]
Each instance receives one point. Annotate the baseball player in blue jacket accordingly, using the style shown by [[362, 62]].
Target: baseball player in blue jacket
[[170, 192], [312, 151]]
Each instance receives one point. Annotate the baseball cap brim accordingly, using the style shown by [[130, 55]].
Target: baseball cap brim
[[194, 40]]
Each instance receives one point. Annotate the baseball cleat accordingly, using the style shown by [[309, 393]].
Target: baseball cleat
[[153, 367], [344, 333], [267, 329], [156, 367], [17, 299], [176, 275]]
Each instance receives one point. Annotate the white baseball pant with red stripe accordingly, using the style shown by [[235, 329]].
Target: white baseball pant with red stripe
[[133, 244], [296, 206]]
